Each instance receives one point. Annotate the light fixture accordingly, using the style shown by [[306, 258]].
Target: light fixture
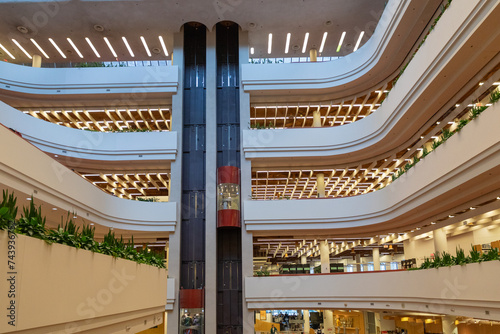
[[128, 47], [92, 47], [143, 40], [162, 42], [74, 47], [306, 38], [287, 45], [54, 209], [341, 41], [7, 52], [269, 43], [39, 48], [110, 47], [323, 42], [22, 49], [252, 51], [359, 41], [57, 48]]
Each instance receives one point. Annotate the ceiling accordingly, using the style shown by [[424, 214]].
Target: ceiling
[[79, 19]]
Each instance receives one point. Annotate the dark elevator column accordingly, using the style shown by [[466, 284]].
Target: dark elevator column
[[229, 280]]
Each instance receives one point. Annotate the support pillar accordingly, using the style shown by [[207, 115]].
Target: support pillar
[[303, 259], [440, 241], [36, 61], [320, 185], [307, 326], [313, 55], [324, 252], [316, 119], [358, 262], [376, 259], [449, 326], [328, 322]]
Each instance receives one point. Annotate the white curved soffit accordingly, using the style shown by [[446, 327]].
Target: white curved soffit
[[25, 168], [465, 167], [399, 27], [101, 80], [460, 46], [90, 145], [457, 290]]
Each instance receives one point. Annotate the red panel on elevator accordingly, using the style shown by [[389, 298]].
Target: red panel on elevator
[[192, 298], [228, 197]]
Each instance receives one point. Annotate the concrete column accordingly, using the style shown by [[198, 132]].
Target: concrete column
[[307, 327], [449, 326], [320, 184], [376, 258], [316, 119], [313, 55], [328, 322], [303, 259], [440, 241], [324, 256], [36, 61], [358, 262]]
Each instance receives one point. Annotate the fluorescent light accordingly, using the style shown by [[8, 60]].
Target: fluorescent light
[[22, 49], [74, 47], [323, 42], [252, 51], [287, 46], [128, 46], [110, 47], [270, 43], [341, 41], [306, 38], [57, 48], [92, 47], [39, 48], [359, 41], [7, 52], [145, 46], [162, 42]]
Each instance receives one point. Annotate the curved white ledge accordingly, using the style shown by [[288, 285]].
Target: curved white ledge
[[101, 80], [88, 145], [25, 168], [462, 44], [465, 167], [456, 290], [399, 27]]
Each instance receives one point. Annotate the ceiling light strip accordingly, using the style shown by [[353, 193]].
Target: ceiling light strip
[[162, 42], [57, 48], [143, 40], [306, 38], [39, 48], [92, 47], [270, 43], [7, 52], [287, 46], [22, 49], [341, 41], [323, 42], [110, 47], [128, 47], [74, 47], [359, 41]]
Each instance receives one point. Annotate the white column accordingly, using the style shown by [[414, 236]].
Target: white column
[[313, 55], [316, 119], [440, 241], [376, 258], [449, 326], [328, 322], [307, 327], [36, 61], [324, 256], [358, 263], [303, 259], [320, 184]]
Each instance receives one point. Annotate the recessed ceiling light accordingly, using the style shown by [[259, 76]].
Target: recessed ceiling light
[[22, 29], [287, 45], [7, 52], [98, 27], [269, 43], [252, 51], [143, 40], [323, 42], [128, 47], [39, 48], [22, 49], [54, 209], [306, 38], [341, 41], [74, 47], [57, 48], [359, 41], [433, 223], [110, 47], [92, 47], [162, 42]]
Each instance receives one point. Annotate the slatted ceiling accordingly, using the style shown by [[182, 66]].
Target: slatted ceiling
[[107, 119]]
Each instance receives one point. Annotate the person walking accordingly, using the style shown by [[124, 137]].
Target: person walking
[[273, 330]]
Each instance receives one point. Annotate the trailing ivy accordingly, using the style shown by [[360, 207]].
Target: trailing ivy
[[32, 223]]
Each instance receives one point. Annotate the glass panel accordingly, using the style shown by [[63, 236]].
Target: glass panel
[[228, 196]]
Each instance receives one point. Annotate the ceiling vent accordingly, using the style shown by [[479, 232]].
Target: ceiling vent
[[22, 29], [98, 27]]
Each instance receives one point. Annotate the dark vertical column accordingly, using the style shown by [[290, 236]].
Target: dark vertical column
[[229, 280], [192, 274]]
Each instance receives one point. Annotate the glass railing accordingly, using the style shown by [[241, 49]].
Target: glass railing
[[135, 63], [288, 60]]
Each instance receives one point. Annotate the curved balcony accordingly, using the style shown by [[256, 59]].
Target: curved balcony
[[465, 167], [456, 290], [56, 184], [464, 42]]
